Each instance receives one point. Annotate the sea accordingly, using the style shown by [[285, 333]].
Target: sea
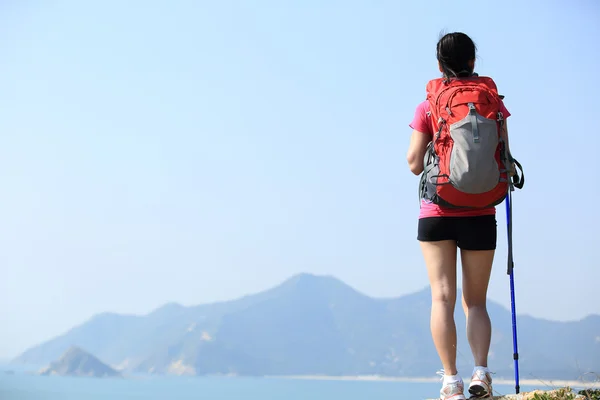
[[23, 386]]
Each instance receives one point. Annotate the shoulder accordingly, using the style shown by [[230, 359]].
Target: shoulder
[[423, 107], [421, 121]]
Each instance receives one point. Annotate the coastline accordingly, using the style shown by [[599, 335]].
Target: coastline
[[543, 383]]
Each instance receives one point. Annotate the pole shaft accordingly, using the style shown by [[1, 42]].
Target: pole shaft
[[510, 271]]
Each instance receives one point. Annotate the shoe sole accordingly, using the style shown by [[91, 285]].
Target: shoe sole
[[478, 392]]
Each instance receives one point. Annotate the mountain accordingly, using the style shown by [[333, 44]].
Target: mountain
[[318, 325], [77, 362]]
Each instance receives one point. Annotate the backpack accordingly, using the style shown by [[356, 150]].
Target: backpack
[[466, 164]]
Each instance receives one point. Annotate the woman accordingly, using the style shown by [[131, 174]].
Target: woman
[[443, 230]]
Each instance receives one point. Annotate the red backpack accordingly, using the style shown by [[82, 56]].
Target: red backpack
[[465, 163]]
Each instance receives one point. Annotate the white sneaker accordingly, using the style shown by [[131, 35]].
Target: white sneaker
[[452, 390], [481, 384]]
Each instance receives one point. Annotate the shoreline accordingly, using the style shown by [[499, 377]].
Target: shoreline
[[537, 383], [543, 383]]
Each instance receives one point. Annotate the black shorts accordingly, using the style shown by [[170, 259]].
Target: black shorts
[[470, 233]]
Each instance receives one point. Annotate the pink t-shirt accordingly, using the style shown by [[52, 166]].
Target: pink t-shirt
[[424, 124]]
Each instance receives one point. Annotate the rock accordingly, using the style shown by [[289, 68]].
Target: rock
[[530, 395]]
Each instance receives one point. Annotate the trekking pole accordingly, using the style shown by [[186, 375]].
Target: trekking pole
[[512, 284]]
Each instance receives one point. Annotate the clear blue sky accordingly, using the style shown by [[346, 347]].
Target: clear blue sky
[[194, 151]]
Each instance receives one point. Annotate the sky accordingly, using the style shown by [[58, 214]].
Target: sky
[[197, 151]]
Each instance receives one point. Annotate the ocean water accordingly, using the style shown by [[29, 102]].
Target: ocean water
[[33, 387]]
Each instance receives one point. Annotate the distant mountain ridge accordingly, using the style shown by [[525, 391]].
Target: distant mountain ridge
[[311, 325]]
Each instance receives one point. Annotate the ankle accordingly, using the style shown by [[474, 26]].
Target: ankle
[[481, 367], [452, 378]]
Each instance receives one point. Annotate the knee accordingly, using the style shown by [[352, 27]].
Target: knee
[[471, 302], [444, 298]]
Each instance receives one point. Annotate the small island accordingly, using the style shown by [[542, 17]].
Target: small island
[[77, 362]]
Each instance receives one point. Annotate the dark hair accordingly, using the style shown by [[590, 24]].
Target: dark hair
[[454, 51]]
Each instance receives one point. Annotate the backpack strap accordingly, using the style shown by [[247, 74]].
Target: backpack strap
[[473, 120], [428, 166], [518, 181]]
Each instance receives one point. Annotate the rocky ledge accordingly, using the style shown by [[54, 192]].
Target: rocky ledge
[[557, 394]]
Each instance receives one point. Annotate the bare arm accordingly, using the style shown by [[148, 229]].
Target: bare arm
[[416, 151]]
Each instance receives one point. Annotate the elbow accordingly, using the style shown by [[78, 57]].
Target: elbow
[[416, 169], [414, 164]]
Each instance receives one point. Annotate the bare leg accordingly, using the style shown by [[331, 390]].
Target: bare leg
[[477, 267], [440, 259]]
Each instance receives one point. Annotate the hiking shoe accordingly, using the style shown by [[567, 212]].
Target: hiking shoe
[[481, 384], [452, 390]]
